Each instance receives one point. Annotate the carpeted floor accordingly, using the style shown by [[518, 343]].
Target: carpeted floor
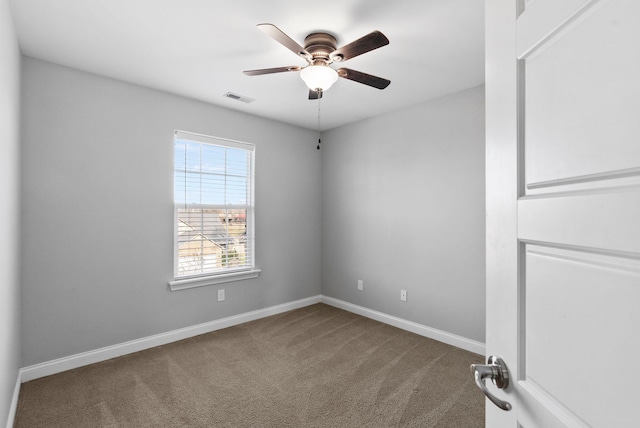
[[313, 367]]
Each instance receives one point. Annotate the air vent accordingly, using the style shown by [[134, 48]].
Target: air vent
[[237, 97]]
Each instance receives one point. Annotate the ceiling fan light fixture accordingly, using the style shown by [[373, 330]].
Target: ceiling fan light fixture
[[319, 77], [320, 51]]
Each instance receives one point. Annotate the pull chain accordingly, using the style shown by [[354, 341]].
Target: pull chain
[[319, 100]]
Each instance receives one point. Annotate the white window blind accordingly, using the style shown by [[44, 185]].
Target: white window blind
[[214, 209]]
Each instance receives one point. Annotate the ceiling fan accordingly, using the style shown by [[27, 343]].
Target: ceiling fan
[[320, 52]]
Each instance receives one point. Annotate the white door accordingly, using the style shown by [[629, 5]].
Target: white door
[[563, 211]]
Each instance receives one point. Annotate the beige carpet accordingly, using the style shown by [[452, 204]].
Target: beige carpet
[[313, 367]]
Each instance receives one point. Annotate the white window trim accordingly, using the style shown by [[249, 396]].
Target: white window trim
[[229, 276], [203, 281]]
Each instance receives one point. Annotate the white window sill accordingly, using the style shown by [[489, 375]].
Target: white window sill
[[203, 281]]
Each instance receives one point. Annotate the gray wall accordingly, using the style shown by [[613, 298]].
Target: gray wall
[[403, 208], [9, 209], [401, 198], [97, 212]]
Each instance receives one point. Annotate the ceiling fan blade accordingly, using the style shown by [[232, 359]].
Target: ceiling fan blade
[[360, 77], [315, 95], [286, 41], [371, 41], [271, 70]]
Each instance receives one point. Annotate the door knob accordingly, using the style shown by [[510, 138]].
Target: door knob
[[496, 370]]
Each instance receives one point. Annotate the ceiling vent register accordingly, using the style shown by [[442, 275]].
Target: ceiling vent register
[[237, 97]]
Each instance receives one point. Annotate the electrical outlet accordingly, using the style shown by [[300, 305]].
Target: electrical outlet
[[221, 295], [360, 285], [403, 295]]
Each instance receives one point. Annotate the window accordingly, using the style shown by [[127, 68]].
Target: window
[[213, 210]]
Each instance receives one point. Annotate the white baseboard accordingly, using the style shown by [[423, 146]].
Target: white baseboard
[[14, 402], [85, 358], [422, 330]]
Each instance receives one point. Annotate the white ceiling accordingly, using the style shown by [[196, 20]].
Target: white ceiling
[[199, 48]]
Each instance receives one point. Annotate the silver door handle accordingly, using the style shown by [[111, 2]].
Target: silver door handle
[[497, 371]]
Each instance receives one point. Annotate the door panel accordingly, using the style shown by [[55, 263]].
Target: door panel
[[578, 215], [581, 88], [564, 172], [590, 298]]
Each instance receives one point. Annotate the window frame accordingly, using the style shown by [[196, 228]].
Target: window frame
[[211, 278]]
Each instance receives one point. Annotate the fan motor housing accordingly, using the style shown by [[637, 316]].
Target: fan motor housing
[[320, 45]]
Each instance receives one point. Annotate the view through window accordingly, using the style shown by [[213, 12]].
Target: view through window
[[213, 198]]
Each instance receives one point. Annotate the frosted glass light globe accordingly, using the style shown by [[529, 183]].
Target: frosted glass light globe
[[319, 77]]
